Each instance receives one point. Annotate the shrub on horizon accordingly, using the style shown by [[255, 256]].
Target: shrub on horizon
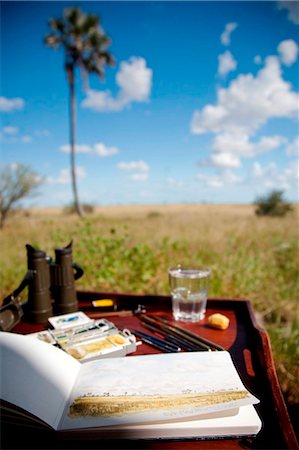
[[272, 204]]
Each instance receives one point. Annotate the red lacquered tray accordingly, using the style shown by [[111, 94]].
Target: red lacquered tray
[[247, 343]]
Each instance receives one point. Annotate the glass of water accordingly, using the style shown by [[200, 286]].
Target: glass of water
[[189, 292]]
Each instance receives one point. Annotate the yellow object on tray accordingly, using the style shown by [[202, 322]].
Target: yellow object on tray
[[218, 321]]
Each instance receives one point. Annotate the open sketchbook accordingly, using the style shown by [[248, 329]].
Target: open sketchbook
[[196, 394]]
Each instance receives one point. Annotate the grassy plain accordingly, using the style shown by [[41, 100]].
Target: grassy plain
[[129, 248]]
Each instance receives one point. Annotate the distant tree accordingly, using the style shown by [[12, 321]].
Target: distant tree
[[272, 204], [84, 44], [17, 181]]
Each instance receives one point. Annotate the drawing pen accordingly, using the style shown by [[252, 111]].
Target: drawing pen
[[160, 344]]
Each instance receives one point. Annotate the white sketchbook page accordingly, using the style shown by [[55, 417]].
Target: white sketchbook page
[[36, 376], [172, 373], [246, 422]]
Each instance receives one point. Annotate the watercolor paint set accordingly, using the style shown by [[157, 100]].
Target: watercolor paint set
[[86, 339]]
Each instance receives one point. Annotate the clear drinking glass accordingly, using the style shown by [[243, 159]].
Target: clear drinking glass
[[189, 292]]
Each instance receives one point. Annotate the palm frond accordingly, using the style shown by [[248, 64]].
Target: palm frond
[[52, 40], [90, 22], [91, 66], [74, 16], [57, 25], [83, 40]]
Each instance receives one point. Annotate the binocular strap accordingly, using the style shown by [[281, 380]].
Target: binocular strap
[[20, 288]]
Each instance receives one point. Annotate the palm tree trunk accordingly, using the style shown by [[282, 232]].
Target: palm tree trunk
[[71, 77]]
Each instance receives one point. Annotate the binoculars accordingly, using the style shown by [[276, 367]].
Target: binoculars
[[51, 287]]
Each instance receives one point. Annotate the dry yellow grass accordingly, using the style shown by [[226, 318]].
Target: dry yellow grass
[[128, 404], [128, 248]]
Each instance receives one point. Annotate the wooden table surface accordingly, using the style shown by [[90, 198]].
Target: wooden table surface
[[247, 343]]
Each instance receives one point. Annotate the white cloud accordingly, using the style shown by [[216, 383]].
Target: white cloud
[[141, 176], [226, 63], [292, 148], [225, 159], [257, 59], [102, 150], [100, 101], [26, 139], [224, 177], [229, 148], [11, 104], [241, 110], [288, 50], [11, 135], [134, 80], [240, 144], [64, 176], [139, 166], [258, 171], [209, 180], [271, 176], [10, 130], [140, 169], [248, 102], [292, 7], [225, 36], [98, 148]]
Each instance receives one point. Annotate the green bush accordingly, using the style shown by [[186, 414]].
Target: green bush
[[272, 204]]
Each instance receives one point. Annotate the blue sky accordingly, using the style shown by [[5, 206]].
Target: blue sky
[[201, 105]]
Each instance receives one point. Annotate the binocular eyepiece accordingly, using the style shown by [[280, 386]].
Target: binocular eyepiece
[[62, 277], [39, 305], [51, 288]]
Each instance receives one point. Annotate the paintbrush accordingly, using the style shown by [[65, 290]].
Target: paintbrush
[[175, 330], [160, 344], [181, 343]]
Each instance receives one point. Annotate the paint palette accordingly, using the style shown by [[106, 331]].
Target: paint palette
[[86, 339], [69, 320], [114, 343]]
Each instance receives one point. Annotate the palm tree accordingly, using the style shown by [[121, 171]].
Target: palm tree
[[84, 44]]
